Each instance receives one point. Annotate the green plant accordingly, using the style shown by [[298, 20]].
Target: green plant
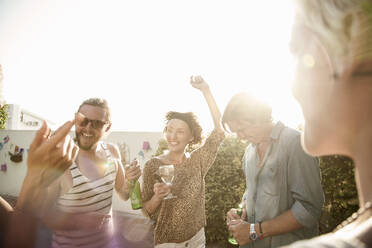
[[341, 198], [225, 185], [3, 115]]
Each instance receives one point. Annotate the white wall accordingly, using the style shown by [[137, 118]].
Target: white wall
[[21, 119], [11, 180]]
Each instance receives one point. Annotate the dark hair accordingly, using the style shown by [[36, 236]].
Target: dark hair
[[98, 102], [243, 106], [191, 120]]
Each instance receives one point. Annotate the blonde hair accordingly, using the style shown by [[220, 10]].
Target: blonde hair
[[343, 26]]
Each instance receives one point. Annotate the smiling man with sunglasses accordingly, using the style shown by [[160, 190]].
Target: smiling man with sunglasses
[[82, 198]]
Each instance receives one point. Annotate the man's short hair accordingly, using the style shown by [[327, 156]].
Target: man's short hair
[[243, 106], [98, 102]]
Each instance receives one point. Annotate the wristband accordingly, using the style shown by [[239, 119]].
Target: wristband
[[260, 230]]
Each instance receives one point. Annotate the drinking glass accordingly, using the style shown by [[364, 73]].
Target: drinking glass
[[166, 173]]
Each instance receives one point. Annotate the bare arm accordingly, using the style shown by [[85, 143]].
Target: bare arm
[[284, 223], [23, 221], [281, 224], [199, 83], [121, 185], [124, 177], [5, 211], [47, 160]]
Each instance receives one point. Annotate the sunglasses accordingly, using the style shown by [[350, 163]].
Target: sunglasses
[[83, 121]]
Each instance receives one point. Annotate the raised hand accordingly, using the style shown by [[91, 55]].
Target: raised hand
[[49, 157], [198, 83]]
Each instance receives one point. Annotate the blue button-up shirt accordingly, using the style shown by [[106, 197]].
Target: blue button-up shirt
[[288, 179]]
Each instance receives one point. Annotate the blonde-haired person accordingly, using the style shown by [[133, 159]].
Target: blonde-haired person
[[179, 222], [332, 41]]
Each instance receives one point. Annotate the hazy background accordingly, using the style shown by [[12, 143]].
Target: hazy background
[[140, 54]]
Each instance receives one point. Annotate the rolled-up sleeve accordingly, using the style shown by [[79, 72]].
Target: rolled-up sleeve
[[305, 185]]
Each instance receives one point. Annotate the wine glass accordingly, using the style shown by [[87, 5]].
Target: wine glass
[[166, 173]]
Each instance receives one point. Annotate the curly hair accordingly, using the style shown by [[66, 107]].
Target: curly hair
[[191, 121]]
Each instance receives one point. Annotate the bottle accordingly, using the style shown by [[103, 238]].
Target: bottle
[[231, 239], [135, 194]]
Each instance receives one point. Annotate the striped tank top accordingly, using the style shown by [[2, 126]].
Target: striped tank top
[[88, 196]]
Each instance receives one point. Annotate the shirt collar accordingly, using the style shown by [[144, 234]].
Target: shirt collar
[[277, 129]]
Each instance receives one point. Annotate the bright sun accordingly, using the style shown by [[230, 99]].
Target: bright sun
[[140, 54]]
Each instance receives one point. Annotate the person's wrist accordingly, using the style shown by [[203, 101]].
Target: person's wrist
[[258, 230], [129, 182], [261, 229], [32, 178], [206, 89], [126, 187], [158, 198], [30, 201], [253, 235]]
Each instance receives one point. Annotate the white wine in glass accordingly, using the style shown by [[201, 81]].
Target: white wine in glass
[[166, 173]]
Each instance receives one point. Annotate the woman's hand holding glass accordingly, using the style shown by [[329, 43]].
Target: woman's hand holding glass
[[161, 190], [166, 173]]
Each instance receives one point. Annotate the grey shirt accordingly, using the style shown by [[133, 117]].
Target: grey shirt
[[288, 179]]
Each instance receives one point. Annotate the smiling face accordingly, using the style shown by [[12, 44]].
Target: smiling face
[[88, 136], [178, 135]]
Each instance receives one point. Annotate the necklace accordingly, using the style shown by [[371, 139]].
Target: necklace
[[355, 215]]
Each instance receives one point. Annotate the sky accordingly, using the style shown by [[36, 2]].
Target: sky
[[139, 55]]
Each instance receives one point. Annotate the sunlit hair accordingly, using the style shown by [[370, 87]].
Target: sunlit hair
[[343, 26], [191, 121], [98, 102], [243, 106]]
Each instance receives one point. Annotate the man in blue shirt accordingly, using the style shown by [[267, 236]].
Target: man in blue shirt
[[283, 197]]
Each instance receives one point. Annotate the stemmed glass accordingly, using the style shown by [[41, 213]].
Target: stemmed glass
[[166, 173]]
